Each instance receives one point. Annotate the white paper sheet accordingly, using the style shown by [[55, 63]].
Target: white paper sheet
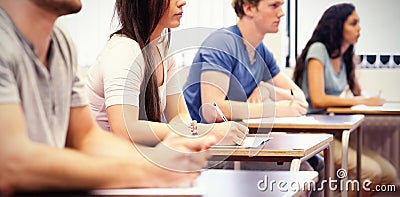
[[249, 142], [294, 120]]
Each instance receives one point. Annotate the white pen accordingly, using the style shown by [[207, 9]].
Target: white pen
[[220, 113]]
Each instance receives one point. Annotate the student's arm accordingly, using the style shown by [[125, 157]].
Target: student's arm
[[357, 88], [175, 154], [226, 133], [31, 166], [124, 121], [176, 109], [277, 89], [214, 88], [282, 85], [321, 100]]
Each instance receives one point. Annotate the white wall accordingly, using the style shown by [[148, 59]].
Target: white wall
[[385, 81], [207, 13], [90, 28], [200, 18], [378, 19]]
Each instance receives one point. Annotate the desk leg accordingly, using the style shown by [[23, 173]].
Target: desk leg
[[345, 148], [295, 165], [328, 169], [236, 165], [359, 153]]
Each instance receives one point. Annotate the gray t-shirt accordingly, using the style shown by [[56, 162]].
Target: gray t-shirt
[[45, 95], [335, 83]]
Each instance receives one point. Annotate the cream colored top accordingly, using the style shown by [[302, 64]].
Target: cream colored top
[[117, 75]]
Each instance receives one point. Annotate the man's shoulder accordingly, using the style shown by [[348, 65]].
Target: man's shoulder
[[62, 40], [61, 36], [7, 39], [10, 43]]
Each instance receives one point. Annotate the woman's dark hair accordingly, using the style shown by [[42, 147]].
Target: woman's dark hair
[[329, 31], [138, 20]]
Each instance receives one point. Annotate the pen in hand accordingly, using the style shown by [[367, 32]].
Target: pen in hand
[[292, 94], [193, 127], [226, 120], [220, 112]]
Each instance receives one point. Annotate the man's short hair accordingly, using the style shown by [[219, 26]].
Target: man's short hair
[[238, 6]]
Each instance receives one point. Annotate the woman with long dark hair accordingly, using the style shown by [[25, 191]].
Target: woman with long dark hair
[[132, 90], [324, 69], [325, 66]]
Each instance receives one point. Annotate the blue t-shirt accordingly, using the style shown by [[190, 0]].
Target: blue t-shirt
[[224, 50], [334, 84]]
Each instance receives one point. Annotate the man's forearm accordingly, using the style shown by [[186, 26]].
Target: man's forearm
[[38, 167], [237, 110]]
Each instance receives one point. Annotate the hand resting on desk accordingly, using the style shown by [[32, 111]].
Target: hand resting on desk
[[177, 160]]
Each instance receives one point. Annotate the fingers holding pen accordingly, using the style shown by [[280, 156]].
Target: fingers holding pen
[[299, 106], [238, 132], [241, 129], [229, 133]]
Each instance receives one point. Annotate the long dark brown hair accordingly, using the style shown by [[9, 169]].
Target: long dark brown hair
[[138, 20], [329, 31]]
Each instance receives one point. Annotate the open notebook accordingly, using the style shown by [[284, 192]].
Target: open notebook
[[251, 141]]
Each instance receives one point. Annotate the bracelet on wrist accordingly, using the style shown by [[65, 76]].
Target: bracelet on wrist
[[193, 127]]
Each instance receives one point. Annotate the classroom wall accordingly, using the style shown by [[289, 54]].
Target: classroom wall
[[378, 21], [277, 44], [379, 35], [90, 29]]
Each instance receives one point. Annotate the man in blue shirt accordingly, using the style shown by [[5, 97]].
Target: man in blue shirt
[[235, 70]]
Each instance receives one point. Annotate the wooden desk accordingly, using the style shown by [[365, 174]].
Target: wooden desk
[[294, 148], [378, 115], [216, 183], [386, 109], [338, 125], [232, 183], [317, 123], [281, 148]]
